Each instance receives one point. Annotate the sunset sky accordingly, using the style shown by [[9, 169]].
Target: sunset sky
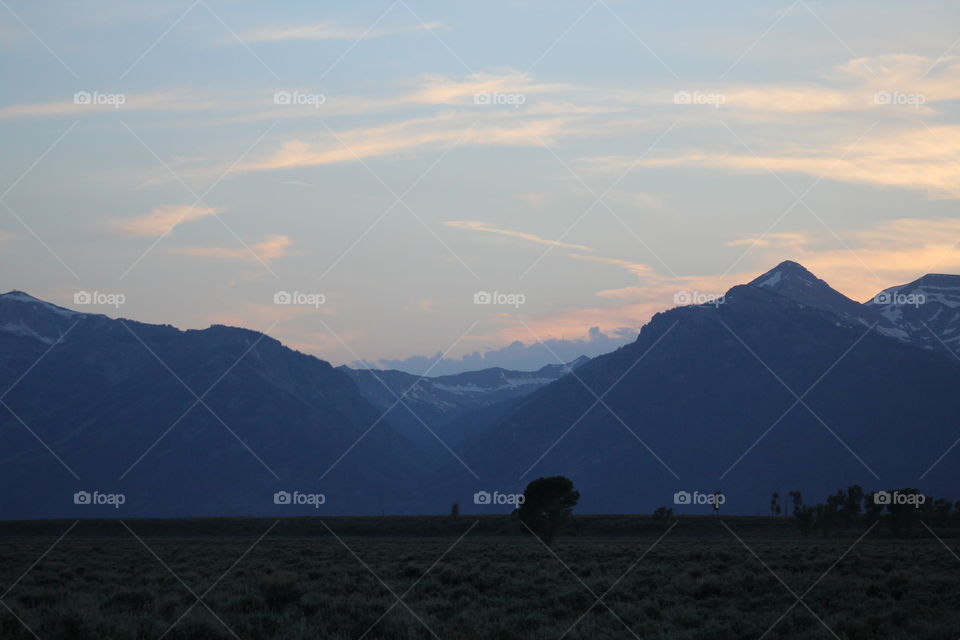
[[584, 160]]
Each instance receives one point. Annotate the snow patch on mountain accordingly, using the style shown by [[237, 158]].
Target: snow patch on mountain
[[771, 280], [21, 329]]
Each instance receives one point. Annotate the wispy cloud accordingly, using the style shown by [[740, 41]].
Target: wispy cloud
[[474, 225], [272, 248], [162, 220], [418, 134], [909, 146], [637, 268], [329, 31], [921, 157], [86, 103], [236, 105]]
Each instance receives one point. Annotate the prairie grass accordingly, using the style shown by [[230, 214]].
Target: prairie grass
[[295, 588]]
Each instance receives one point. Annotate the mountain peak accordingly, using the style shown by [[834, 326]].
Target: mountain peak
[[926, 310], [786, 271], [21, 296], [794, 281]]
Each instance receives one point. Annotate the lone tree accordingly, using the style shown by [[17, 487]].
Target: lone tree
[[547, 506]]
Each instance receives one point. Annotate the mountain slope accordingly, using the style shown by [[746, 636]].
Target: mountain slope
[[785, 385], [704, 400], [440, 404], [927, 309], [115, 401], [792, 280]]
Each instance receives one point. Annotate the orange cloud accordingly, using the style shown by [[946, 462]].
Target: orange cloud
[[162, 220], [435, 132], [921, 158], [274, 247]]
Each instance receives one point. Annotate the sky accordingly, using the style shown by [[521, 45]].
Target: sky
[[440, 186]]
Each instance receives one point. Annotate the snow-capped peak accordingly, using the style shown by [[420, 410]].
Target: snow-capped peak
[[786, 272], [927, 310]]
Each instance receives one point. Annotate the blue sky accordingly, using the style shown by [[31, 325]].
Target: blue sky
[[584, 161]]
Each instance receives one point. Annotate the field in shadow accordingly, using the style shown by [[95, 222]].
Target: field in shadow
[[305, 578]]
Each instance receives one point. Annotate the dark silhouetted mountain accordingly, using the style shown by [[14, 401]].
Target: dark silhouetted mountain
[[785, 385], [706, 399], [114, 400]]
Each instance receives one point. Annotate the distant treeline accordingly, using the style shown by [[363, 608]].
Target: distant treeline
[[902, 510]]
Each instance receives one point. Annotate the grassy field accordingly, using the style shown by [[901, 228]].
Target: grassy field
[[257, 579]]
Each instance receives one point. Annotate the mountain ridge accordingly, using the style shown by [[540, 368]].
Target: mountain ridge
[[784, 368]]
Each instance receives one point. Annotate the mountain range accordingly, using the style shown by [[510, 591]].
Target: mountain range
[[439, 409], [782, 384]]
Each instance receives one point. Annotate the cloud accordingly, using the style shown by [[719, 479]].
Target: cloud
[[636, 268], [299, 183], [327, 31], [779, 240], [274, 247], [518, 355], [163, 220], [904, 148], [439, 89], [922, 158], [474, 225], [162, 100], [409, 136], [235, 105], [852, 86], [462, 120], [937, 79], [535, 200]]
